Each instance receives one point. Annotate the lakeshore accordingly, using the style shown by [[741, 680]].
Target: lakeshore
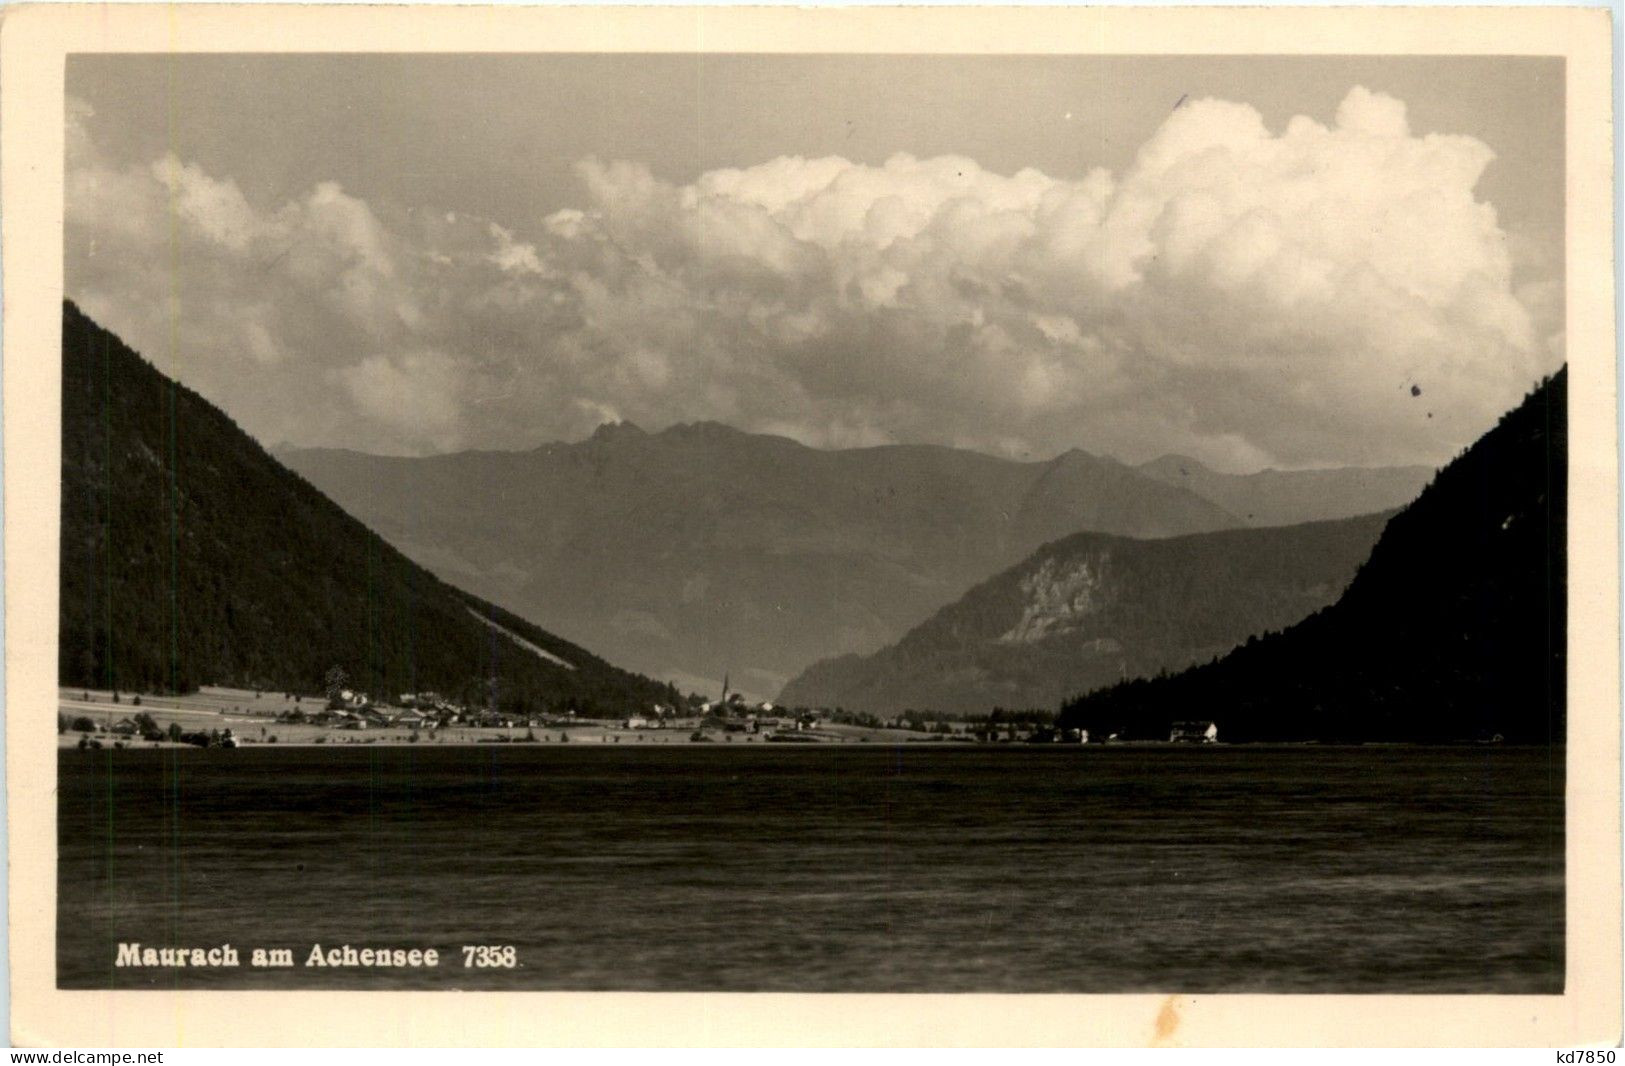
[[253, 720], [242, 718]]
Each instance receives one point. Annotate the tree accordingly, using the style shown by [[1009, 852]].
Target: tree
[[335, 683], [175, 732]]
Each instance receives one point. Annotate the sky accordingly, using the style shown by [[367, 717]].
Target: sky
[[1254, 261]]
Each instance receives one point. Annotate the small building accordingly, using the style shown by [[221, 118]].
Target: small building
[[124, 727], [1194, 733], [637, 721]]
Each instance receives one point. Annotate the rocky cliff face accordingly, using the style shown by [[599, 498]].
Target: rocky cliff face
[[1060, 596]]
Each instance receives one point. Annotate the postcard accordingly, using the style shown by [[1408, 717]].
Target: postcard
[[796, 526]]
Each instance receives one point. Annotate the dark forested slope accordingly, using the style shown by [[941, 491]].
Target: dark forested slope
[[1454, 629], [190, 556]]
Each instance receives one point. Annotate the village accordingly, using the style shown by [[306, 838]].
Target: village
[[220, 717]]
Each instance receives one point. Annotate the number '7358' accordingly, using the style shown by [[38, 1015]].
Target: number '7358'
[[490, 956]]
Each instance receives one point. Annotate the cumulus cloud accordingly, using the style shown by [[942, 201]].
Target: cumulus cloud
[[418, 392], [1248, 296]]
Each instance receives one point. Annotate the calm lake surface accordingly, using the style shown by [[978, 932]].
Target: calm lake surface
[[826, 867]]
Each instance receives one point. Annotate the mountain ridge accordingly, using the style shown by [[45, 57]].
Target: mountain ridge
[[1272, 497], [704, 551], [1090, 609], [719, 551]]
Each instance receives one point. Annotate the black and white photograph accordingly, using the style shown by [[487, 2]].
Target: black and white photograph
[[826, 522]]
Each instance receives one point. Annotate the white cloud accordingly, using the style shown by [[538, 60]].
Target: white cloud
[[1238, 294], [216, 208], [418, 393], [513, 256]]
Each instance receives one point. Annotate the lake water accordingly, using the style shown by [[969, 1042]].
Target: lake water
[[826, 867]]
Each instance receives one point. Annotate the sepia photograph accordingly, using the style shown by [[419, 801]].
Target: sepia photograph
[[823, 522]]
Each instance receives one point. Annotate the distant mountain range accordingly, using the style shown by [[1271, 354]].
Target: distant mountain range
[[1287, 497], [190, 556], [1093, 609], [702, 551], [1454, 629]]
